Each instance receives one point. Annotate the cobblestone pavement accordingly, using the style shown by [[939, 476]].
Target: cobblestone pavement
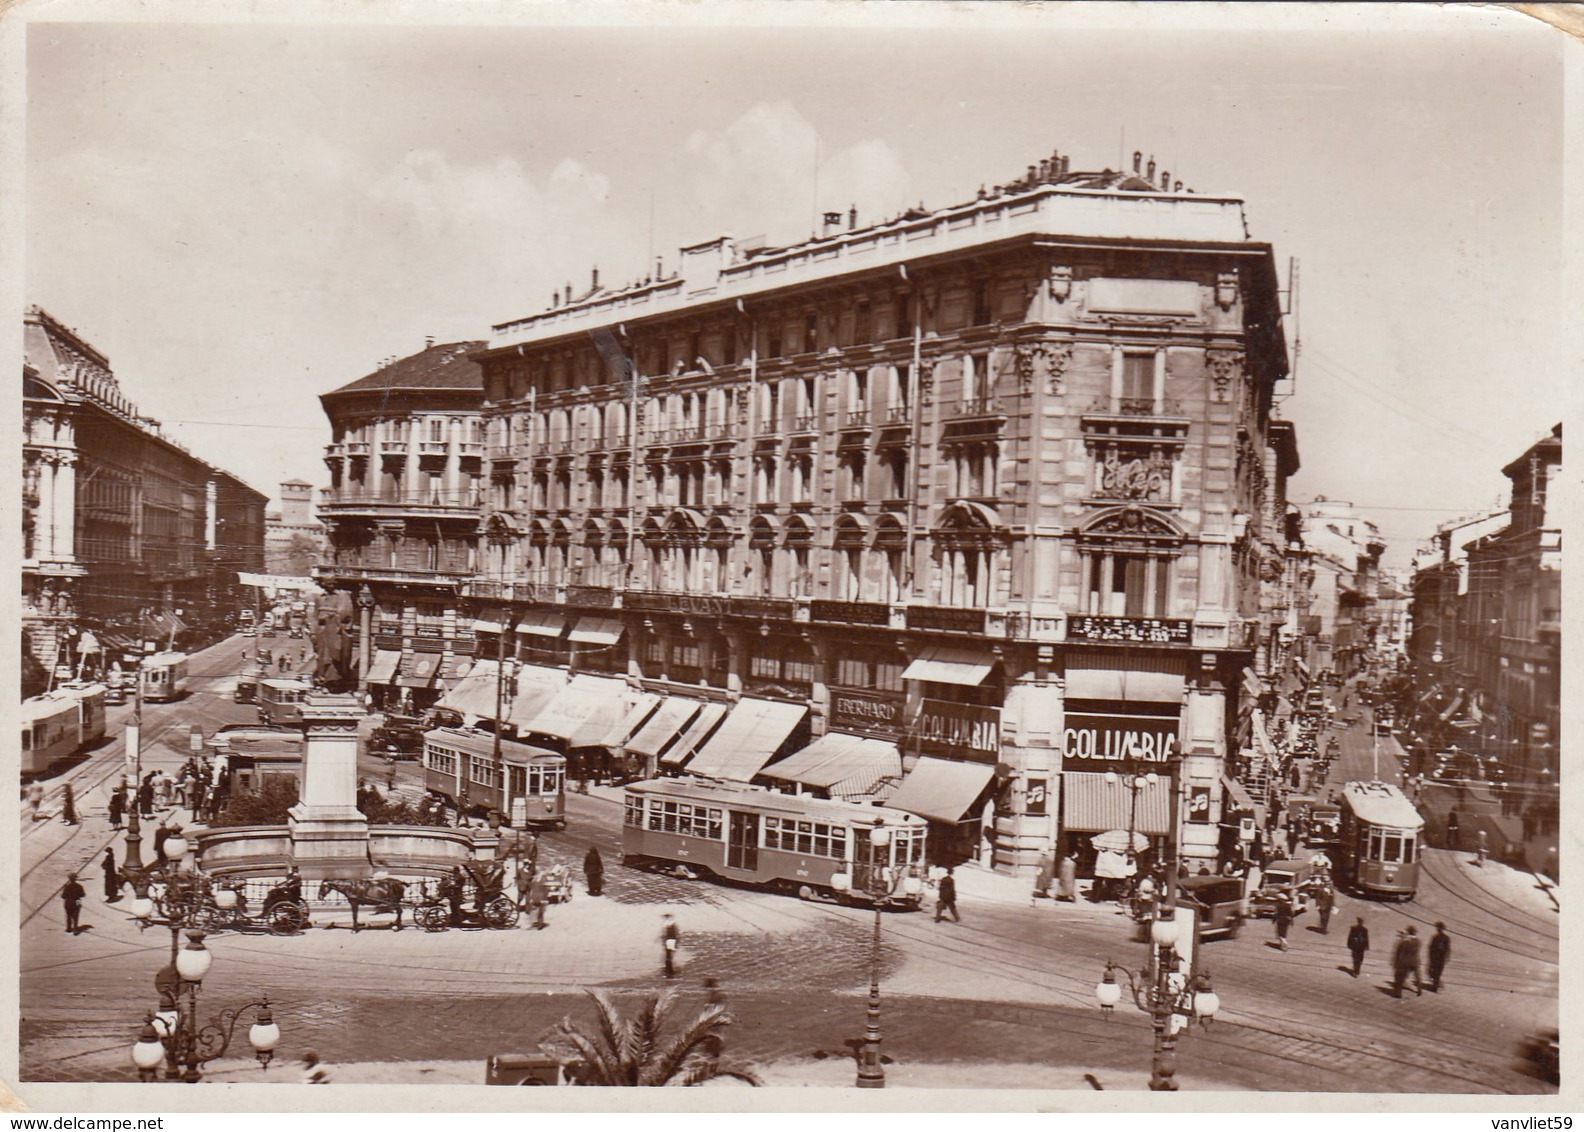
[[1011, 985]]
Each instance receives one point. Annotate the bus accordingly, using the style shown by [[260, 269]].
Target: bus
[[749, 835], [460, 766], [1379, 842], [163, 676], [280, 701]]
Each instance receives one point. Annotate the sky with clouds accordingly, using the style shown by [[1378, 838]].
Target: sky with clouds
[[244, 217]]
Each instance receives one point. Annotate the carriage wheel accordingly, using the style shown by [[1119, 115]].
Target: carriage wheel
[[431, 917], [501, 913], [212, 918], [287, 918]]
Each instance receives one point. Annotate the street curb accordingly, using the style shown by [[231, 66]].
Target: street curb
[[1548, 886]]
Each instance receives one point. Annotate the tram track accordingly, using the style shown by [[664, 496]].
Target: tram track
[[1487, 902]]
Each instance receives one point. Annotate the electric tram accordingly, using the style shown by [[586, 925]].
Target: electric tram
[[763, 837], [527, 785], [164, 676], [1379, 842], [280, 701], [60, 724]]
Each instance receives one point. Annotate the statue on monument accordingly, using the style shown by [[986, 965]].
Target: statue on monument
[[332, 643]]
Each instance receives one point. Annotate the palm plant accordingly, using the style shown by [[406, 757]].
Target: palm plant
[[635, 1051]]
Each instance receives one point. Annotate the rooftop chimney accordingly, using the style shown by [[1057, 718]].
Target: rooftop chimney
[[1138, 157], [428, 341], [594, 280], [832, 221], [852, 218], [1165, 179], [1150, 170]]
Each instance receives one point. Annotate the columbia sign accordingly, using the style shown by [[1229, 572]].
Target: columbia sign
[[1091, 739]]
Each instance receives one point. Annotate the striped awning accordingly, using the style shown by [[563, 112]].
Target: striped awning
[[382, 669], [582, 711], [632, 720], [542, 623], [940, 665], [942, 790], [748, 739], [1090, 804], [845, 765], [419, 671], [1123, 678], [537, 685], [594, 630], [660, 728], [474, 695], [703, 724]]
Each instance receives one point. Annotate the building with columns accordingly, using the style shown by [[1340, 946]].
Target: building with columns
[[975, 512], [121, 526], [402, 515]]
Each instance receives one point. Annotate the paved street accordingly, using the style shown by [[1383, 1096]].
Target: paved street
[[1015, 976]]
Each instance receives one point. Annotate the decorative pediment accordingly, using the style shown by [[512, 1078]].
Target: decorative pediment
[[1132, 522]]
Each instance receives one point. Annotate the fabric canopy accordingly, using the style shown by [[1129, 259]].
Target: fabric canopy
[[631, 721], [1237, 798], [382, 669], [1303, 669], [1090, 804], [940, 665], [1121, 677], [583, 710], [542, 623], [845, 765], [453, 668], [537, 685], [418, 672], [481, 626], [597, 630], [670, 717], [708, 717], [941, 790], [1253, 686], [1452, 708], [474, 695], [747, 739]]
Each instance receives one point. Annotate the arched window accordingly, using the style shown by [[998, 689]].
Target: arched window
[[1129, 562], [890, 543], [799, 541], [761, 557], [967, 548], [848, 564]]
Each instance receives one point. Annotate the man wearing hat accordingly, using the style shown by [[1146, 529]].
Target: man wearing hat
[[72, 897]]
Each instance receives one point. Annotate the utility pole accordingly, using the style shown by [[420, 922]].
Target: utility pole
[[134, 759]]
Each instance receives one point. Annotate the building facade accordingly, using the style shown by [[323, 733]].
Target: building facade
[[402, 514], [121, 526], [994, 489], [294, 540]]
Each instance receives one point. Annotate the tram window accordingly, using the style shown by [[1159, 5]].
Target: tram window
[[1392, 849], [486, 773], [685, 818], [442, 762], [1375, 846], [812, 838], [518, 777], [634, 813], [1409, 845]]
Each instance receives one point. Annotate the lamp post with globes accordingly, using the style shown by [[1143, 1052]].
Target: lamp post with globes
[[1135, 784], [172, 1034], [1171, 996], [873, 879]]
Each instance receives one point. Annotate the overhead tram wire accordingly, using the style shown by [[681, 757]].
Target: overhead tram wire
[[1378, 394]]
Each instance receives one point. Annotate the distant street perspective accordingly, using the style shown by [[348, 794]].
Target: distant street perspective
[[1022, 626]]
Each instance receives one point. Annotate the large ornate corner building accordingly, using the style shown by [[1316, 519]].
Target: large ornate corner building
[[121, 526], [958, 512], [402, 515]]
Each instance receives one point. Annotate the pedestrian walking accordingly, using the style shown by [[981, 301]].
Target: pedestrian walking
[[315, 1071], [452, 889], [594, 871], [145, 795], [162, 785], [538, 902], [1481, 848], [1067, 878], [72, 898], [1044, 876], [670, 940], [1440, 951], [946, 900], [1405, 962], [117, 806], [35, 798], [1284, 920], [68, 805], [1358, 944], [112, 877], [1325, 902], [1453, 840]]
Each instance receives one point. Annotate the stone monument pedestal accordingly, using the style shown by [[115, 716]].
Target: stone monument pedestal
[[329, 834]]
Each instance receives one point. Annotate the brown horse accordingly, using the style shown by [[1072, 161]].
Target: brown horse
[[382, 894]]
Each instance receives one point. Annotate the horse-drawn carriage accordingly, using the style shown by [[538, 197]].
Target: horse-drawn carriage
[[472, 895], [195, 900]]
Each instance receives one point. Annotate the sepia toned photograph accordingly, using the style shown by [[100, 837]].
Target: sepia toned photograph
[[992, 551]]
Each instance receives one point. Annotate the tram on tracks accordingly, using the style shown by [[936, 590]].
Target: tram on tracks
[[1379, 841], [60, 724], [163, 676], [280, 701], [814, 846], [527, 785]]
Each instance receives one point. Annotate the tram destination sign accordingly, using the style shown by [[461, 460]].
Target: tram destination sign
[[1131, 630]]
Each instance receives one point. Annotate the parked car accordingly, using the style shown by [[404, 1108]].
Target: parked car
[[400, 737], [1542, 1051], [1218, 901], [1291, 877]]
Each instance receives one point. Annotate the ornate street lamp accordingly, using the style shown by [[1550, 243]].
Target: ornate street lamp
[[1168, 995], [1135, 783], [172, 1034], [872, 878]]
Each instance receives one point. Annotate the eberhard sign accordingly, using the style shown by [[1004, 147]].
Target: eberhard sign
[[866, 713], [1110, 742]]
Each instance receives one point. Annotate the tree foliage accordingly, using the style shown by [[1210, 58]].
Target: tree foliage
[[35, 677], [267, 807], [635, 1051]]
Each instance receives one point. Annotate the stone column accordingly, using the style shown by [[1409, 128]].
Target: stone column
[[44, 537], [329, 835], [66, 505]]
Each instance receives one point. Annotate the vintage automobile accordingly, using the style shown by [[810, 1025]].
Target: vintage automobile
[[1291, 877], [1218, 902]]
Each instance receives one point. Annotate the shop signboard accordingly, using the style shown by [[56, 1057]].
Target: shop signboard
[[962, 731], [851, 612], [1131, 630], [865, 712], [948, 618], [1096, 742]]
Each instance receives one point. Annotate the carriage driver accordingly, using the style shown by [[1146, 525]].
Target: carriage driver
[[288, 890]]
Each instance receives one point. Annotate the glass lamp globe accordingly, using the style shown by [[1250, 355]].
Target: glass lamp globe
[[1108, 993], [1111, 778], [174, 848], [1164, 932], [879, 837], [912, 885], [841, 882], [142, 908], [147, 1052], [194, 960], [1151, 778], [1206, 1002], [264, 1035]]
